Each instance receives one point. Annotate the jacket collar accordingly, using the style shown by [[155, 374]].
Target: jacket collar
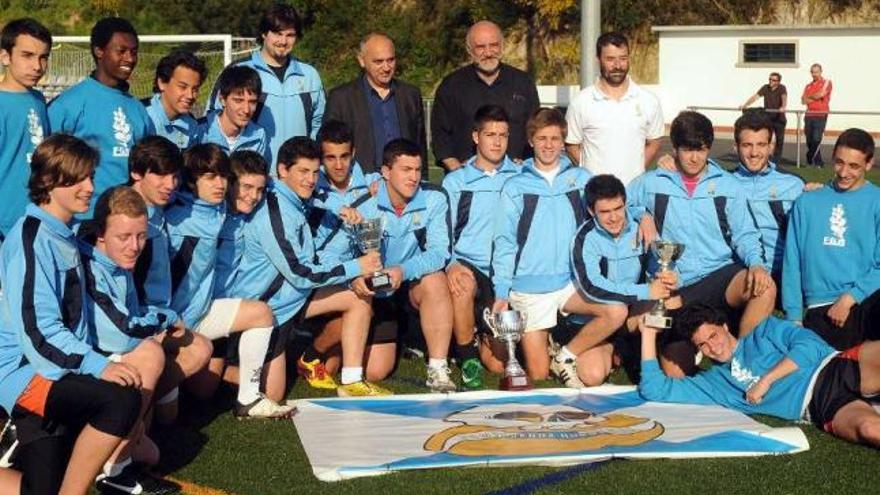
[[416, 203], [472, 173], [55, 225]]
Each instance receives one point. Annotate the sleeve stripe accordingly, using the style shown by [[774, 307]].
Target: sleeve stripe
[[28, 309], [580, 269], [293, 262]]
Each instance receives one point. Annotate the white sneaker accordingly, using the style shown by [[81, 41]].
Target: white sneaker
[[263, 408], [439, 381], [566, 371]]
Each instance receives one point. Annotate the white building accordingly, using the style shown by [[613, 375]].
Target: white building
[[721, 66]]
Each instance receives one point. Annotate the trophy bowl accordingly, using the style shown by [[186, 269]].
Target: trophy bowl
[[370, 233], [667, 253], [508, 327]]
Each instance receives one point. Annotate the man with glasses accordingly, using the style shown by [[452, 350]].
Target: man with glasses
[[775, 100], [483, 82]]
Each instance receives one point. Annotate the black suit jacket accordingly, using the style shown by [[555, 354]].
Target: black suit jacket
[[348, 103]]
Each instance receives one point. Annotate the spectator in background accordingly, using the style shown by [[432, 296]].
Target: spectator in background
[[614, 126], [817, 97], [378, 107], [775, 100], [485, 81]]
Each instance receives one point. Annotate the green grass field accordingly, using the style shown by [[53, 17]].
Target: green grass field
[[211, 449]]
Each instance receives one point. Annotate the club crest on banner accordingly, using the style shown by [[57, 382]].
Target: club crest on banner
[[535, 429]]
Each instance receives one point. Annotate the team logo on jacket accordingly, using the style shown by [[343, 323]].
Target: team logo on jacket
[[837, 225], [121, 133], [742, 374], [35, 129]]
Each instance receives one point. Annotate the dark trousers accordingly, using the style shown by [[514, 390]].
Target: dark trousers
[[814, 127], [779, 133]]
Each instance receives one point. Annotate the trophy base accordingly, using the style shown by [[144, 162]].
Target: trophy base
[[379, 282], [658, 321], [516, 382]]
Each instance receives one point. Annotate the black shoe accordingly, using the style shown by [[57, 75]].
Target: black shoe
[[8, 444], [124, 482]]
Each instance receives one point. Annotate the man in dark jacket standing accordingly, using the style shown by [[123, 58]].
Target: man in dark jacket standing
[[378, 107], [486, 80]]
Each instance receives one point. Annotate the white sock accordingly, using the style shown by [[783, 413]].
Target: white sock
[[112, 469], [351, 374], [437, 363], [251, 354], [564, 354]]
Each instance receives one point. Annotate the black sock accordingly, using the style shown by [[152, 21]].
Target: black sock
[[465, 351], [310, 354]]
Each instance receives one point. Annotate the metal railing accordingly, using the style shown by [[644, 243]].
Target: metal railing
[[798, 115]]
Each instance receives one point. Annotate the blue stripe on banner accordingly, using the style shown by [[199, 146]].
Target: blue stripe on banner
[[597, 404], [556, 477]]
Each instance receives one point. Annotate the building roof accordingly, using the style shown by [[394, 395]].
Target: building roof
[[762, 27]]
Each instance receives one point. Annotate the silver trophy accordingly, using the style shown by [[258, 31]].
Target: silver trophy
[[667, 253], [508, 327], [369, 237]]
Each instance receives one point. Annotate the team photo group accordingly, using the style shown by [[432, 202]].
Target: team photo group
[[149, 254]]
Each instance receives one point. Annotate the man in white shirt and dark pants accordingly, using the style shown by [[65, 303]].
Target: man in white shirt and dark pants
[[614, 126]]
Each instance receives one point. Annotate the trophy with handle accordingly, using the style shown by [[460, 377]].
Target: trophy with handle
[[667, 252], [508, 327], [369, 237]]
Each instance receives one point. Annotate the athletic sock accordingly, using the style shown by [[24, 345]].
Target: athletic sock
[[252, 350], [564, 354], [465, 351], [112, 469], [351, 374], [437, 363], [311, 354]]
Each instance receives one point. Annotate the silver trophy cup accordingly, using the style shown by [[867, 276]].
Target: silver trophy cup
[[667, 252], [369, 237], [508, 327]]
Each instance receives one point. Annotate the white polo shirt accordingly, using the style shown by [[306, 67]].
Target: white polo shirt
[[612, 133]]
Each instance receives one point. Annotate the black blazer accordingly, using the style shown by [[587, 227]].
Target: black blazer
[[348, 103]]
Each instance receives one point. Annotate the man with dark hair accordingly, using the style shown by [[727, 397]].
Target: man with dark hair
[[702, 206], [278, 264], [817, 97], [779, 370], [179, 75], [486, 80], [415, 218], [377, 106], [474, 191], [232, 126], [832, 254], [770, 191], [24, 52], [775, 101], [100, 109], [614, 126], [194, 220], [609, 268], [154, 166], [292, 99]]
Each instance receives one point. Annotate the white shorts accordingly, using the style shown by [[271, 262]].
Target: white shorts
[[541, 309], [218, 321]]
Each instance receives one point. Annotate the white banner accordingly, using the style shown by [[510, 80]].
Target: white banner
[[349, 438]]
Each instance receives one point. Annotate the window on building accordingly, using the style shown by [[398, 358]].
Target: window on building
[[776, 53]]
